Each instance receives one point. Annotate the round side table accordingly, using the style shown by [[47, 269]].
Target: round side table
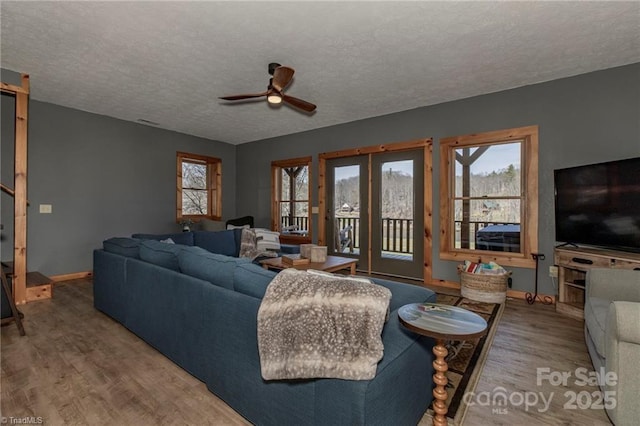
[[442, 322]]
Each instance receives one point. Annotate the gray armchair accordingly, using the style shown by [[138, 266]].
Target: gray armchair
[[612, 333]]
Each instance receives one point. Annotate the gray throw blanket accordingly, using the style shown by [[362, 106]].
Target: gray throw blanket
[[313, 324]]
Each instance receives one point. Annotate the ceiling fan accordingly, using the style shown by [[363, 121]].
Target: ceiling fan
[[282, 76]]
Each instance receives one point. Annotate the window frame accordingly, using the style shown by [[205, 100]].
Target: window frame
[[276, 192], [213, 181], [529, 196]]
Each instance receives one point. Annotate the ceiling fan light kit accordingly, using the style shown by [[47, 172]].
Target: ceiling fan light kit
[[282, 76], [274, 99]]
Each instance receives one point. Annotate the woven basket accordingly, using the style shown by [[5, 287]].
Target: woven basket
[[484, 287]]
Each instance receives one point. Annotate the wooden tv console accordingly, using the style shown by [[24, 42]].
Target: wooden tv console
[[573, 265]]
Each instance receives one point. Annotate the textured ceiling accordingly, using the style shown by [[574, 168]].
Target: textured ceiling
[[168, 62]]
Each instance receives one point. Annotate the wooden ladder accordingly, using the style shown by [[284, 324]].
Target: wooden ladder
[[39, 286], [16, 315]]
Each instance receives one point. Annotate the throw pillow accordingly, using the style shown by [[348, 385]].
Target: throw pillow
[[238, 227], [248, 243], [267, 240], [211, 225], [250, 248]]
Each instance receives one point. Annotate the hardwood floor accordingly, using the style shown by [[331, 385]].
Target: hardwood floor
[[531, 337], [78, 366]]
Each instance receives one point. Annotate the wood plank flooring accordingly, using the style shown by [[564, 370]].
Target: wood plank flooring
[[76, 366]]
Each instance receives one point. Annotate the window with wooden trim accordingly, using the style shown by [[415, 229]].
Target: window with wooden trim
[[489, 197], [290, 199], [199, 187]]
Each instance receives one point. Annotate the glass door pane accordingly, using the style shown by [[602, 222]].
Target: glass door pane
[[396, 209], [346, 209], [397, 215]]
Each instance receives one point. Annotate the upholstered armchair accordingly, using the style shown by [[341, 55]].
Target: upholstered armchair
[[612, 333]]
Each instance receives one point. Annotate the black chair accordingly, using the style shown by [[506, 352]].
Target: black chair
[[240, 221]]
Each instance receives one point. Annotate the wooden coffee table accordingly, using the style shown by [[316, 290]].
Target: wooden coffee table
[[332, 264], [442, 322]]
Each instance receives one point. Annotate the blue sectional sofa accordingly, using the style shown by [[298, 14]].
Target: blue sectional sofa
[[200, 310]]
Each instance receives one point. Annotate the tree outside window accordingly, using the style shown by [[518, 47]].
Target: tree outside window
[[290, 199], [199, 187], [489, 202]]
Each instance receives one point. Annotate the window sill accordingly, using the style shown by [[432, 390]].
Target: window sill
[[517, 260]]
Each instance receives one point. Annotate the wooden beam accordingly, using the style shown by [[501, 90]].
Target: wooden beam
[[20, 198], [428, 212], [322, 194], [12, 89]]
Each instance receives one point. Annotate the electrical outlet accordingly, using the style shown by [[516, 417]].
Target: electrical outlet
[[553, 271], [45, 208]]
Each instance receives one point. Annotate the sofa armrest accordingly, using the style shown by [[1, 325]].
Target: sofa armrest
[[623, 356], [614, 284], [623, 323]]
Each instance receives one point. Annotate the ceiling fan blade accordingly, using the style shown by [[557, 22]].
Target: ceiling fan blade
[[299, 103], [246, 96], [282, 77]]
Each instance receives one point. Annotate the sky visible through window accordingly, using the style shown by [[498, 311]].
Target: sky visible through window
[[497, 157], [508, 153]]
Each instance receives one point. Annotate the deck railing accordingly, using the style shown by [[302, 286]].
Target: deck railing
[[397, 234], [300, 222]]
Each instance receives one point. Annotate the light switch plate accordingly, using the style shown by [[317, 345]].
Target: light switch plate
[[45, 208], [314, 209]]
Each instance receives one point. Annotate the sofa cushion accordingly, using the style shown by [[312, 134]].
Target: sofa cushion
[[220, 242], [595, 317], [128, 247], [215, 268], [161, 254], [252, 280], [184, 238]]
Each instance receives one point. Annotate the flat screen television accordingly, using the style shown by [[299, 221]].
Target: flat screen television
[[599, 205]]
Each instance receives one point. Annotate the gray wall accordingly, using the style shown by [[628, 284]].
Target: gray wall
[[585, 119], [104, 177], [107, 177]]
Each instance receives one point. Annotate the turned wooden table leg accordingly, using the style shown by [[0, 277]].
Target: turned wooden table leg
[[440, 379]]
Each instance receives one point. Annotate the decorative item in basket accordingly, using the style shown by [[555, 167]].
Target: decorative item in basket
[[294, 259], [484, 282]]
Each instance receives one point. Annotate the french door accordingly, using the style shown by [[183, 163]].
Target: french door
[[374, 211]]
